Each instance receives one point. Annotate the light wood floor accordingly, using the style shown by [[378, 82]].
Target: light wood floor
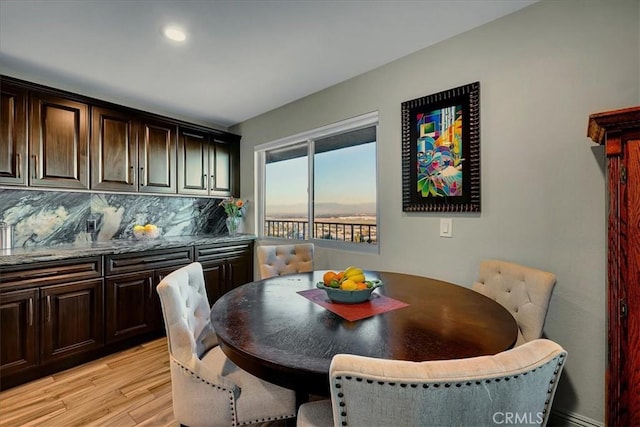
[[131, 388]]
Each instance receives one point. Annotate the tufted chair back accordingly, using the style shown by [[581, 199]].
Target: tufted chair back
[[207, 388], [285, 259], [524, 291], [185, 308], [513, 387]]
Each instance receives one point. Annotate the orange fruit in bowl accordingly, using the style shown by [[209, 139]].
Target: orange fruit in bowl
[[328, 277], [361, 286], [339, 275]]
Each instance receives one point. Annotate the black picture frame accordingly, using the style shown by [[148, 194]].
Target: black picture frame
[[441, 151]]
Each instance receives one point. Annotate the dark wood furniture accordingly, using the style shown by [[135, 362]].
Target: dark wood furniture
[[157, 156], [82, 143], [58, 314], [206, 164], [619, 131], [114, 150], [132, 303], [225, 267], [58, 142], [52, 313], [266, 328], [13, 140]]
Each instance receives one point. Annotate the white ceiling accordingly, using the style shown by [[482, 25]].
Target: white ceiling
[[241, 58]]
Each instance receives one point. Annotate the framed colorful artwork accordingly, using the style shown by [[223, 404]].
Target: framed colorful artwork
[[441, 151]]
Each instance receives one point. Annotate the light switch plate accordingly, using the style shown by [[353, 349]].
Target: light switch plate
[[446, 227]]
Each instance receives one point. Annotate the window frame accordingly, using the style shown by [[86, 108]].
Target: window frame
[[309, 137]]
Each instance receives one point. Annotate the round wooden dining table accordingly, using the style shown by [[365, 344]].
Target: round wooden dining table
[[270, 330]]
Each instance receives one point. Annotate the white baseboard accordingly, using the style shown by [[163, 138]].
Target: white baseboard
[[572, 419]]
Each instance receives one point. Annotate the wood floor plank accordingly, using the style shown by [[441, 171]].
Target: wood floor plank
[[25, 389], [122, 419], [143, 384], [44, 420], [30, 411], [151, 409], [163, 418], [99, 393], [127, 389]]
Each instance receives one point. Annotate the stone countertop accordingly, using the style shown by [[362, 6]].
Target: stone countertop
[[17, 256]]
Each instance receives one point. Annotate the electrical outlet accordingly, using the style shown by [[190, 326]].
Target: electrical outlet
[[92, 226]]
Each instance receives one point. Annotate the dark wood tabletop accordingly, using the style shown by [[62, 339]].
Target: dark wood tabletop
[[269, 330]]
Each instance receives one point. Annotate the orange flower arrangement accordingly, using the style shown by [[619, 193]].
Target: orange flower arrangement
[[234, 207]]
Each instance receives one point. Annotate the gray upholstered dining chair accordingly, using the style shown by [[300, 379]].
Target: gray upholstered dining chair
[[207, 388], [276, 260], [478, 391], [524, 291]]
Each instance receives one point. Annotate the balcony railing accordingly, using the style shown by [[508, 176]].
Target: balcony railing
[[327, 230]]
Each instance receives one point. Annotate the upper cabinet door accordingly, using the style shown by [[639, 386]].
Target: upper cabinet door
[[193, 162], [157, 156], [13, 135], [114, 151], [59, 140], [225, 169]]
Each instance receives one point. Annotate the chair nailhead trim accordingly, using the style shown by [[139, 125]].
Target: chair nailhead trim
[[558, 360], [231, 400]]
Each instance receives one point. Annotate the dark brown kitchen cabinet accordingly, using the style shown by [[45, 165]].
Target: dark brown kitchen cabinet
[[225, 167], [71, 319], [132, 304], [19, 327], [226, 266], [207, 165], [60, 313], [114, 150], [157, 156], [13, 135], [59, 141], [52, 317], [193, 162]]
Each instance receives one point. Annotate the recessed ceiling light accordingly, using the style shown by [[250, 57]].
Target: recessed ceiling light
[[175, 34]]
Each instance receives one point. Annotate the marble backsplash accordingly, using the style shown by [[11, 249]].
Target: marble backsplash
[[52, 218]]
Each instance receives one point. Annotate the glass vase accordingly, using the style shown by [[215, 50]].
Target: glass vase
[[232, 225]]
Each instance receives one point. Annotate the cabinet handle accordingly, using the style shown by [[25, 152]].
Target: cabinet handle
[[18, 165], [44, 273], [35, 166], [48, 308], [149, 281], [30, 311], [131, 174], [143, 181], [206, 182]]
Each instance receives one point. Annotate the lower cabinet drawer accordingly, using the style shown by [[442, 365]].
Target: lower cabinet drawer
[[148, 260], [51, 272]]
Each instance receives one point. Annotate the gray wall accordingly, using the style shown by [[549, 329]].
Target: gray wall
[[542, 71]]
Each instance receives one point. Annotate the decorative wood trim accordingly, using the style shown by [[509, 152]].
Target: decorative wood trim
[[601, 123]]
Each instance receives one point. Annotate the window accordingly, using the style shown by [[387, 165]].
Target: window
[[321, 185]]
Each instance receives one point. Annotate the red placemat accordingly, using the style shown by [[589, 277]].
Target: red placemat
[[376, 305]]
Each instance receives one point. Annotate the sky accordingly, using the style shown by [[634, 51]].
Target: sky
[[343, 176]]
